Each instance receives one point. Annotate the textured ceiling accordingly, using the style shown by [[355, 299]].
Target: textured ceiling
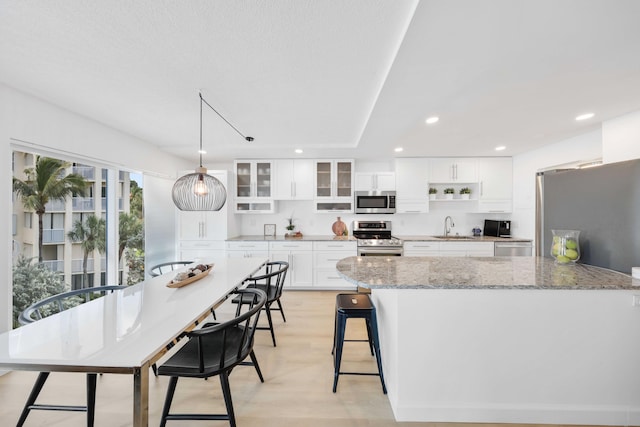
[[336, 78]]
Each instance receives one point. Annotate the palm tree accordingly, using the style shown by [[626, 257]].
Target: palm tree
[[92, 235], [46, 182], [130, 231]]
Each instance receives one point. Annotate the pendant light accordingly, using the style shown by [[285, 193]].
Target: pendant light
[[200, 191]]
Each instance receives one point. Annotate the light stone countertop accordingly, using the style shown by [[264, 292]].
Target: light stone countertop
[[478, 273], [281, 238], [408, 238]]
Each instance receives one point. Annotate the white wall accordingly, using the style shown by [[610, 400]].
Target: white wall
[[621, 138], [525, 166], [28, 122]]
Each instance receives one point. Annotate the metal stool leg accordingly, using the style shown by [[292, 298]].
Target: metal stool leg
[[341, 322], [376, 346]]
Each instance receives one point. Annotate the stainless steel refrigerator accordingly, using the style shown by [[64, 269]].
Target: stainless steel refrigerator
[[602, 202]]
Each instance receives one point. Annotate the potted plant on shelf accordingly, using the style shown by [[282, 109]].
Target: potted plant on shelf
[[448, 193], [465, 193], [432, 193]]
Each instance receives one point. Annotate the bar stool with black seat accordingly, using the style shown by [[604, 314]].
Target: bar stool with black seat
[[349, 306], [214, 350], [272, 283], [47, 307]]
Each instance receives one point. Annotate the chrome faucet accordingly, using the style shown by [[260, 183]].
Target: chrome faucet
[[447, 230]]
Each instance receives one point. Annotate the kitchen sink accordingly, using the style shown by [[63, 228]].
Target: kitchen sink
[[454, 237]]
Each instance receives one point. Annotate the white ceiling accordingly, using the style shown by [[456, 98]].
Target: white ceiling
[[336, 78]]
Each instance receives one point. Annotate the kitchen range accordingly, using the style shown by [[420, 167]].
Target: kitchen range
[[375, 239]]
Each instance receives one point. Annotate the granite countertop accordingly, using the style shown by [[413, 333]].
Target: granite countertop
[[478, 273], [281, 238], [423, 238], [409, 238]]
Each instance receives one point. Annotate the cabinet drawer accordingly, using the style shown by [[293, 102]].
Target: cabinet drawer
[[335, 246], [290, 246], [248, 246], [467, 246], [328, 260], [329, 279], [421, 246], [218, 245]]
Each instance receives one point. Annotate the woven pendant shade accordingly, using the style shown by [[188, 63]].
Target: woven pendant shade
[[199, 192]]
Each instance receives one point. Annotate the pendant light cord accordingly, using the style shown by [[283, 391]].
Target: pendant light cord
[[247, 138]]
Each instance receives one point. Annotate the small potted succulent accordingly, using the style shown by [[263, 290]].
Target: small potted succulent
[[465, 193], [448, 193], [432, 193]]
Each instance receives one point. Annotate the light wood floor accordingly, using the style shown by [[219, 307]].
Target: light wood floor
[[296, 392]]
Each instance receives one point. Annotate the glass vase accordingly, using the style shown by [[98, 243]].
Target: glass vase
[[565, 246]]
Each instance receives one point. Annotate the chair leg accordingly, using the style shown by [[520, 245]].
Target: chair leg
[[91, 398], [273, 335], [171, 389], [254, 360], [35, 391], [337, 355], [226, 391], [281, 310]]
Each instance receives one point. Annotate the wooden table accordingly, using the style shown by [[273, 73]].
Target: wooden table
[[124, 332]]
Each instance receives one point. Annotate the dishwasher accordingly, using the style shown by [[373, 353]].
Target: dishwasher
[[513, 248]]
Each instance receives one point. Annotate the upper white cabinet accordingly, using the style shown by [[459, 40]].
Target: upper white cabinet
[[375, 181], [293, 179], [446, 170], [412, 185], [254, 179], [495, 176], [333, 186]]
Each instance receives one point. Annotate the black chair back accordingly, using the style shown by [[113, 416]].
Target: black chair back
[[165, 267], [272, 282], [60, 302]]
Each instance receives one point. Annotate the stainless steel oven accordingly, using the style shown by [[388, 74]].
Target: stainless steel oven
[[375, 239]]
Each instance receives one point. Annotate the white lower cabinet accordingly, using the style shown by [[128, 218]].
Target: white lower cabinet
[[247, 249], [326, 255], [299, 255]]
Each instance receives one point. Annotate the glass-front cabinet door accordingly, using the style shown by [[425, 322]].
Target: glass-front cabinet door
[[253, 179], [334, 186]]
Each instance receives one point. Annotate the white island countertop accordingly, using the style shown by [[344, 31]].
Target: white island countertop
[[479, 273]]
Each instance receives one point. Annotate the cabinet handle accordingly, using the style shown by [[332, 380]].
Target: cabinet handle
[[293, 189], [481, 188], [411, 211]]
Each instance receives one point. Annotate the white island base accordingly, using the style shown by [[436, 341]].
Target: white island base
[[511, 355]]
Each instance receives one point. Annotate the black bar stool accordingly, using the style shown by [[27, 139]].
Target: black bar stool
[[355, 306]]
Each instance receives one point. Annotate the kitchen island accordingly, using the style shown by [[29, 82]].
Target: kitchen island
[[505, 339]]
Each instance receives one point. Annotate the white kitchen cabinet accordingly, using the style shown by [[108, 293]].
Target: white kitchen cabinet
[[326, 255], [420, 248], [293, 179], [375, 181], [333, 186], [299, 255], [466, 248], [495, 184], [254, 179], [412, 185], [247, 249], [453, 170]]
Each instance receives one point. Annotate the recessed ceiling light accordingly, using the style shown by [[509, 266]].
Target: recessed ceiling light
[[585, 116], [432, 120], [500, 148], [298, 151], [398, 149]]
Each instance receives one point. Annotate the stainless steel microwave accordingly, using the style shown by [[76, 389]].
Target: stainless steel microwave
[[375, 202]]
